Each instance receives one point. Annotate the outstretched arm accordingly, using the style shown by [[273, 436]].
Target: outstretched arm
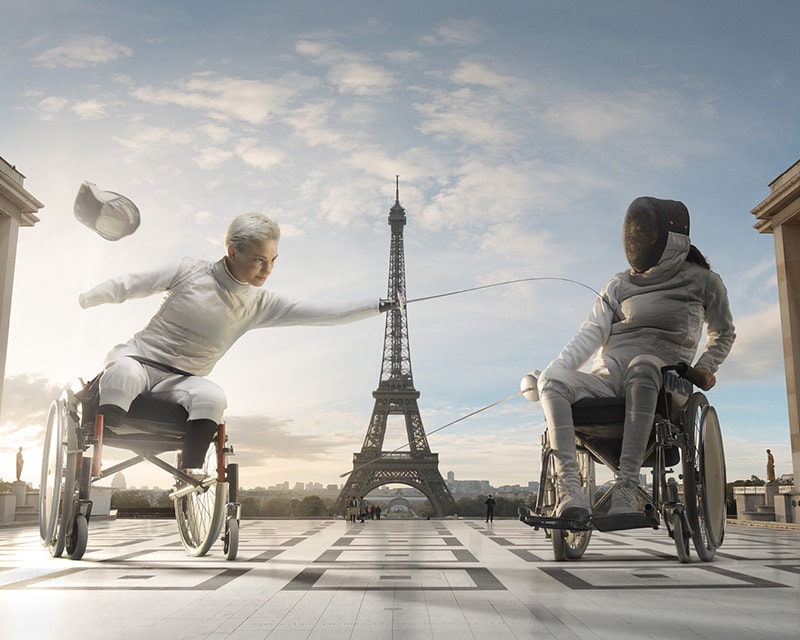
[[129, 286]]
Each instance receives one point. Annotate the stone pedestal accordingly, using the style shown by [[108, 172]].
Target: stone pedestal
[[8, 506], [770, 491], [20, 489], [783, 507]]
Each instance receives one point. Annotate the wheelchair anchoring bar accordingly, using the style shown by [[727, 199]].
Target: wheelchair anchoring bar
[[97, 453], [200, 487], [221, 452]]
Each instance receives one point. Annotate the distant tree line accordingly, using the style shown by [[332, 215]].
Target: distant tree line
[[313, 506]]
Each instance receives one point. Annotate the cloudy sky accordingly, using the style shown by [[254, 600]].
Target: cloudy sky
[[520, 131]]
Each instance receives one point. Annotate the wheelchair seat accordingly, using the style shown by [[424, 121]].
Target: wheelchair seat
[[151, 425], [599, 425]]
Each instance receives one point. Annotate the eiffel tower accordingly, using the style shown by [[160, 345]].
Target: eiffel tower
[[396, 395]]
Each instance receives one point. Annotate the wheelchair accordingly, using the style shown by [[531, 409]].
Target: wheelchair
[[686, 435], [206, 507]]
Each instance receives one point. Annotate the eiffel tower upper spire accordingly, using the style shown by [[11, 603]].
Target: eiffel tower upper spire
[[396, 367]]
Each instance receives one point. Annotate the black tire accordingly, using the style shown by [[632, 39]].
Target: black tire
[[78, 537], [682, 538], [230, 540], [559, 544], [703, 450], [712, 469]]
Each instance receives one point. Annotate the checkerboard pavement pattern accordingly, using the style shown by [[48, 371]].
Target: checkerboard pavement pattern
[[396, 579]]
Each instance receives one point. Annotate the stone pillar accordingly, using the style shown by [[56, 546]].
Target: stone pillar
[[17, 209], [779, 214], [8, 255], [20, 490]]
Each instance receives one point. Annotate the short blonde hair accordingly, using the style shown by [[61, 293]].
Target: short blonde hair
[[247, 227]]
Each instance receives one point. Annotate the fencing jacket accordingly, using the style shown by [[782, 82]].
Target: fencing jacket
[[205, 310], [660, 312]]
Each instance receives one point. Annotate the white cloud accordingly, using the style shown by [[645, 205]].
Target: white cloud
[[211, 157], [360, 78], [479, 74], [352, 74], [310, 123], [215, 132], [144, 138], [47, 108], [259, 156], [757, 353], [456, 32], [81, 52], [90, 109], [592, 117], [222, 98]]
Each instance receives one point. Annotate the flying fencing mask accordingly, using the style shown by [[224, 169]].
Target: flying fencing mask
[[111, 215], [647, 225]]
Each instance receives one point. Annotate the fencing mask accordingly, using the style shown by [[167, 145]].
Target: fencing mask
[[647, 224], [111, 215]]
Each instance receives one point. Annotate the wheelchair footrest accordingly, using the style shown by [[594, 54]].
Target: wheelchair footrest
[[548, 522], [643, 520]]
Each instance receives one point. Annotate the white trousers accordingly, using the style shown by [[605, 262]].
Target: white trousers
[[638, 384], [125, 378]]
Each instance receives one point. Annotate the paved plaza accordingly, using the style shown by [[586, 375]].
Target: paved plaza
[[414, 580]]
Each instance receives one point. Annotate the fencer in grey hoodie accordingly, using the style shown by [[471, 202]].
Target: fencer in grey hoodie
[[646, 317]]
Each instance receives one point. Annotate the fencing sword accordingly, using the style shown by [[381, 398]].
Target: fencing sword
[[449, 424], [402, 302]]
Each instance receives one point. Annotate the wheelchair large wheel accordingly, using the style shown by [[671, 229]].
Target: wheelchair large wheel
[[201, 513], [568, 545], [59, 474], [704, 477]]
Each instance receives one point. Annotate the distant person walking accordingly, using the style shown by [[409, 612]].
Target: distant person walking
[[352, 508], [362, 509], [490, 502]]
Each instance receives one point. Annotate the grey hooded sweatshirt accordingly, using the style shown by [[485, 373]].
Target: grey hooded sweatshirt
[[660, 312]]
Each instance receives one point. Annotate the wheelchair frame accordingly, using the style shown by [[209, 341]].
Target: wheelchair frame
[[686, 431], [205, 507]]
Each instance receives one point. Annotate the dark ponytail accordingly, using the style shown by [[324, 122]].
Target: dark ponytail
[[695, 257]]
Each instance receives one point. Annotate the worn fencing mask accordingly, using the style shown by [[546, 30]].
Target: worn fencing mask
[[647, 224], [111, 215]]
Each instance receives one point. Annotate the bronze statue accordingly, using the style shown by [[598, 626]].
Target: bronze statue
[[20, 463], [770, 467]]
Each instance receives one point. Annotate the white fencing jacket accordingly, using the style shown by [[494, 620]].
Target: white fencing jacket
[[205, 310]]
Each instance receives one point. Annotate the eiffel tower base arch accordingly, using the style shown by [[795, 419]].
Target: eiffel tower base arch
[[417, 470]]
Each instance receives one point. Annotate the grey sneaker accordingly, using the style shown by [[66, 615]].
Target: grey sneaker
[[573, 505], [625, 499]]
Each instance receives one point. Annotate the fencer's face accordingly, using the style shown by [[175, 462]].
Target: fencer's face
[[640, 240], [254, 263]]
